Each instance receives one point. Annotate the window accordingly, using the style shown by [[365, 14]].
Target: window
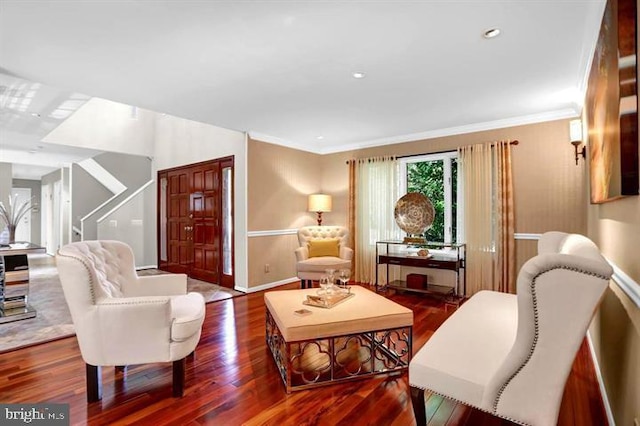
[[436, 176]]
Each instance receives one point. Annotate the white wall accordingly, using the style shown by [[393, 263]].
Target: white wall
[[65, 205], [6, 170], [179, 142], [170, 141], [63, 225], [108, 126]]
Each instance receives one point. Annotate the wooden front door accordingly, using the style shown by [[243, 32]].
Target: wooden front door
[[190, 221], [205, 228], [178, 222]]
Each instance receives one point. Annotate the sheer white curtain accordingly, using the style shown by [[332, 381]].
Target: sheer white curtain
[[376, 187]]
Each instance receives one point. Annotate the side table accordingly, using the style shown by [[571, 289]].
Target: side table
[[14, 282]]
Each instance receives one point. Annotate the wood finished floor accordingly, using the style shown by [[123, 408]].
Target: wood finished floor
[[233, 381]]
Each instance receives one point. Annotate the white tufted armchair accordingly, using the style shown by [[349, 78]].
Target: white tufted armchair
[[123, 319], [311, 267]]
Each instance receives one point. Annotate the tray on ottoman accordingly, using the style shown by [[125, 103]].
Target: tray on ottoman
[[326, 301]]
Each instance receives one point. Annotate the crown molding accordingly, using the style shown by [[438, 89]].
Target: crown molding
[[459, 130], [412, 137], [589, 48], [279, 141]]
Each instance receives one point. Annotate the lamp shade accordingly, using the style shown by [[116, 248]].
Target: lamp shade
[[575, 130], [319, 203]]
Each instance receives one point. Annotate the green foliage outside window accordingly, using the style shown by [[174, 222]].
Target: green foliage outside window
[[428, 178]]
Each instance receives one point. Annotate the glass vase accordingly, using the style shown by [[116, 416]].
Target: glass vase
[[12, 233]]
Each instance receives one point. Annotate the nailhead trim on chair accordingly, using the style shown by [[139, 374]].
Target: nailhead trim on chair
[[118, 302], [536, 326], [93, 297], [81, 260]]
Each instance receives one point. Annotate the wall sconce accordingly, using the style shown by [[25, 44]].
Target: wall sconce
[[575, 133], [319, 203]]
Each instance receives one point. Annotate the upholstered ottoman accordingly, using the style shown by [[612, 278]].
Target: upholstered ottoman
[[364, 335]]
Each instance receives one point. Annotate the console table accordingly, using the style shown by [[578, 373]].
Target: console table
[[443, 256], [14, 281]]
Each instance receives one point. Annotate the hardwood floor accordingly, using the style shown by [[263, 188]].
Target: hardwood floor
[[233, 380]]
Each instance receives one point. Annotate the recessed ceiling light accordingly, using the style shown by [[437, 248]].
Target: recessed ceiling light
[[319, 137], [35, 114], [358, 75], [491, 33]]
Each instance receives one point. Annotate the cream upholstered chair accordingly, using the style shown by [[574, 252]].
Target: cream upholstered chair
[[321, 248], [510, 355], [123, 319]]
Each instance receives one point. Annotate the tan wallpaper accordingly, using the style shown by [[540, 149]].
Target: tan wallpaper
[[549, 188], [525, 250], [615, 332], [615, 227], [275, 251], [279, 180], [550, 194]]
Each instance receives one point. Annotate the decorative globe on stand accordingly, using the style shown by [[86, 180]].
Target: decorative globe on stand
[[414, 214]]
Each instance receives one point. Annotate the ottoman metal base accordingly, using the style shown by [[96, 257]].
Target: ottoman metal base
[[311, 363]]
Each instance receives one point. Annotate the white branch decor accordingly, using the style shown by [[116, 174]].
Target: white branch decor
[[11, 216]]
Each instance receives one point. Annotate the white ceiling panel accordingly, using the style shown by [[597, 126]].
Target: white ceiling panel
[[283, 69]]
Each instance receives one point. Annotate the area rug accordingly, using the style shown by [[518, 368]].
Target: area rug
[[53, 320]]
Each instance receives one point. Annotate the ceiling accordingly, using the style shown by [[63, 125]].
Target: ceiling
[[28, 112], [283, 70]]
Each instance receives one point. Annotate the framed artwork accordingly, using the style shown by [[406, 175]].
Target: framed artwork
[[612, 105]]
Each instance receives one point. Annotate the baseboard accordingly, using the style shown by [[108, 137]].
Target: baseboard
[[140, 268], [267, 286], [603, 390], [262, 287], [521, 236]]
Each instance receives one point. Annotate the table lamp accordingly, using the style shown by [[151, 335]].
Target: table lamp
[[319, 203]]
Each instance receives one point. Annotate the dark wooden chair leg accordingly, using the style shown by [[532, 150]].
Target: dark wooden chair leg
[[94, 383], [419, 411], [178, 377], [192, 355], [121, 368]]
